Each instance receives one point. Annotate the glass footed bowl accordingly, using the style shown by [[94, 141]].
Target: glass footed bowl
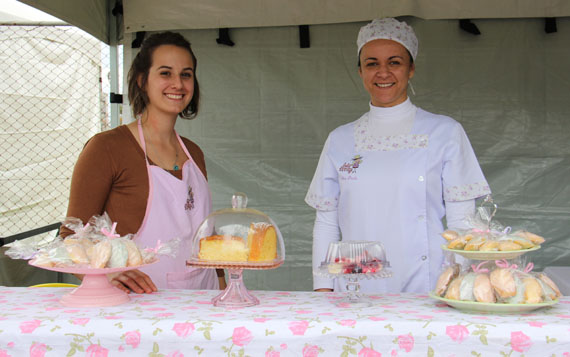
[[356, 259], [237, 237]]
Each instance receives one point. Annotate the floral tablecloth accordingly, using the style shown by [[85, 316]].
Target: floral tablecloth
[[185, 323]]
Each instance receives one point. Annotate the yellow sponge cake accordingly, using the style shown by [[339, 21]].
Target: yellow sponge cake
[[223, 248], [262, 242]]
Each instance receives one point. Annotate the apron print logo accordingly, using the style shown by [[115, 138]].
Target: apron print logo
[[190, 200], [351, 166]]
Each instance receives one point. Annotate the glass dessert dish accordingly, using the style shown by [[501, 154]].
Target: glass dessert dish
[[237, 238], [354, 260]]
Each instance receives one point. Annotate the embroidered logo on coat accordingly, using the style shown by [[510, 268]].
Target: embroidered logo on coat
[[190, 200], [351, 166]]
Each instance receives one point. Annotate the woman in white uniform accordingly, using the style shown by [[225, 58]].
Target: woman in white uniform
[[392, 175]]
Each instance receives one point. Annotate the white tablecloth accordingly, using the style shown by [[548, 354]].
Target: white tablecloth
[[184, 323]]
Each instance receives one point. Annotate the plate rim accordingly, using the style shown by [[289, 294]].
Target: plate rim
[[527, 307], [476, 254]]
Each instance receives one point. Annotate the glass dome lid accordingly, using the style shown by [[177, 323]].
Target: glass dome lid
[[237, 236]]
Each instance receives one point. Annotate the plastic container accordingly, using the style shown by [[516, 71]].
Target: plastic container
[[355, 260]]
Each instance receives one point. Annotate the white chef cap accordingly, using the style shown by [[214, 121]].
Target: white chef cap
[[389, 29]]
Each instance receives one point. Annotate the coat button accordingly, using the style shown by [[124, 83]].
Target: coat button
[[421, 178], [424, 257], [421, 218]]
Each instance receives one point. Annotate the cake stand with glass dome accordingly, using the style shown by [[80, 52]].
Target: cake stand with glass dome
[[354, 261], [237, 239]]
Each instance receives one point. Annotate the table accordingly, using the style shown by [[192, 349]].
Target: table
[[185, 323]]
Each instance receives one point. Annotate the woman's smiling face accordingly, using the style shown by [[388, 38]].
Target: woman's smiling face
[[385, 68], [170, 84]]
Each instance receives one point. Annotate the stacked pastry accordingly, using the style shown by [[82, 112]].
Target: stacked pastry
[[477, 240], [95, 245], [499, 284]]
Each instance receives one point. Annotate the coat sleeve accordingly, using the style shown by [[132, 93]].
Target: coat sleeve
[[324, 190], [462, 177]]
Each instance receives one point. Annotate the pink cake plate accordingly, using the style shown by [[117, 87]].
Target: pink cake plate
[[95, 289]]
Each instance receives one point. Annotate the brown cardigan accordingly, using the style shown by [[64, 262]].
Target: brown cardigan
[[110, 176]]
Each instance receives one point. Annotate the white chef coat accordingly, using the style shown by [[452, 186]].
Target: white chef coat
[[393, 189]]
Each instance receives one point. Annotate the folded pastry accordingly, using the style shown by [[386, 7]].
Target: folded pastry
[[535, 238], [503, 282], [457, 243], [523, 242], [533, 293], [475, 243], [119, 254], [549, 294], [450, 235], [101, 254], [134, 254], [77, 253], [509, 245], [445, 278], [490, 245], [518, 298], [454, 288], [545, 279], [466, 287], [483, 290]]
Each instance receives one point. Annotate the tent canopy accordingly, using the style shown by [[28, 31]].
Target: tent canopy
[[95, 16]]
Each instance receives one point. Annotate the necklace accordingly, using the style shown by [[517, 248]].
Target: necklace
[[175, 167]]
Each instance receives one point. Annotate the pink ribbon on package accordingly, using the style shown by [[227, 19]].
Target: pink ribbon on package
[[503, 263], [155, 249], [477, 268], [112, 233], [480, 230]]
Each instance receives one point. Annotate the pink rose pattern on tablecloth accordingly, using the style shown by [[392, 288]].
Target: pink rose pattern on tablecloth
[[311, 351], [298, 327], [368, 352], [406, 342], [183, 329], [38, 350], [520, 342], [241, 336], [457, 333], [97, 351], [179, 323], [133, 338]]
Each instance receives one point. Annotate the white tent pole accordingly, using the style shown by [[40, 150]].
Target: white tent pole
[[114, 72]]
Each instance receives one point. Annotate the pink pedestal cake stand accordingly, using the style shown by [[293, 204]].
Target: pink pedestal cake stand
[[95, 289], [236, 294]]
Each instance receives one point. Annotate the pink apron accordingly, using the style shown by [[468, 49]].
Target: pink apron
[[175, 208]]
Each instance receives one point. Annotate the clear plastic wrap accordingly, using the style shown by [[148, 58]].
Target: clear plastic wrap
[[499, 281], [486, 236], [94, 245]]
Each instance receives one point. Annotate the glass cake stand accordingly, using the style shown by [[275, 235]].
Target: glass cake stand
[[353, 297], [236, 294], [95, 290]]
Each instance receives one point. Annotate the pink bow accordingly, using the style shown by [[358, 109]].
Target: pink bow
[[480, 230], [155, 249], [528, 268], [477, 268], [504, 264], [112, 233]]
